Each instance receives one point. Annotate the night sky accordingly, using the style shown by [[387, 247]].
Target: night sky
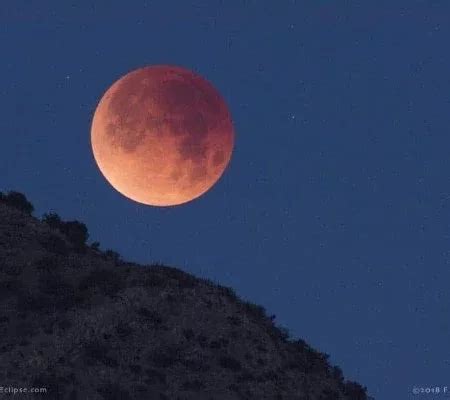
[[334, 210]]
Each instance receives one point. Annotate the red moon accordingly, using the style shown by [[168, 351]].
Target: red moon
[[162, 135]]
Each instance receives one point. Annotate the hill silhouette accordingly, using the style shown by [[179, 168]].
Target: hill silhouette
[[84, 324]]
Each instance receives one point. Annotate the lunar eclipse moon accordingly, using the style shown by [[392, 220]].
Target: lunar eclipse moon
[[162, 135]]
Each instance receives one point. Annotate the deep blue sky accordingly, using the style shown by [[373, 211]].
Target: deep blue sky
[[333, 213]]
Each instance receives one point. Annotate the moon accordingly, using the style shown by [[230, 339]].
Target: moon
[[162, 135]]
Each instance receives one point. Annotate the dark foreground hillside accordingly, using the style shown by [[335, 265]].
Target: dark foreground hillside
[[85, 325]]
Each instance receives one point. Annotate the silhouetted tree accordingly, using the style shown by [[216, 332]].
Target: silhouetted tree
[[106, 281], [230, 363], [337, 374], [283, 332], [329, 394], [18, 201], [308, 359], [112, 255], [76, 232], [95, 245], [54, 244], [53, 220], [354, 391]]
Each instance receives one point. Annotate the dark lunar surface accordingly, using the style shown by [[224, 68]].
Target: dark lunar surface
[[185, 103], [86, 325]]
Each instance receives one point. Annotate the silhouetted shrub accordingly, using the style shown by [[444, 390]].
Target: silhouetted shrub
[[337, 374], [234, 320], [154, 376], [61, 292], [12, 269], [73, 395], [246, 376], [24, 330], [354, 391], [18, 201], [261, 348], [54, 244], [270, 376], [96, 352], [53, 220], [255, 311], [28, 302], [182, 279], [234, 334], [208, 303], [47, 263], [153, 280], [159, 266], [112, 255], [329, 394], [233, 387], [195, 364], [230, 363], [164, 357], [48, 327], [113, 391], [106, 281], [76, 232], [9, 288], [123, 330], [202, 340], [135, 369], [308, 360], [227, 291], [64, 324], [149, 316], [215, 344], [188, 333], [194, 385], [283, 333]]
